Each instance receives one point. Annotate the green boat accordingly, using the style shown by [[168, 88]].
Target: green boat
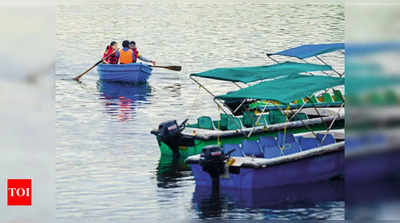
[[285, 114]]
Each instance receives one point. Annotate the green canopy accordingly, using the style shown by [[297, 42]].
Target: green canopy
[[250, 74], [285, 90]]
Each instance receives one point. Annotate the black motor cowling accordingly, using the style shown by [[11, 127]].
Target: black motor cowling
[[169, 132], [212, 161], [168, 129]]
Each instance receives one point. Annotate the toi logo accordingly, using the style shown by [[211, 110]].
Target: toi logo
[[19, 192]]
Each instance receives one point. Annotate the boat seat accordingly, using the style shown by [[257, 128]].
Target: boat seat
[[308, 143], [353, 143], [337, 96], [312, 100], [223, 121], [299, 102], [236, 147], [276, 116], [300, 116], [329, 139], [233, 123], [269, 146], [249, 118], [205, 122], [263, 120], [327, 98], [288, 143], [391, 98], [251, 148]]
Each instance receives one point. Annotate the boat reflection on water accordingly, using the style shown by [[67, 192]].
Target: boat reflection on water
[[170, 172], [122, 98], [211, 203]]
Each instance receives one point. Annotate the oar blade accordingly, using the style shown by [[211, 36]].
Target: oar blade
[[175, 68]]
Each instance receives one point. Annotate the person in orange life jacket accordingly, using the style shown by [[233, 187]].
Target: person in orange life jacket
[[110, 56], [136, 54], [125, 54]]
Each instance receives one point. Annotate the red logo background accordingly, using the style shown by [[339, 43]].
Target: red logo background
[[19, 192]]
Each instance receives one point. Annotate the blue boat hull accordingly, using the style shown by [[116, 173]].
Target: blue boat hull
[[312, 169], [284, 197], [132, 73]]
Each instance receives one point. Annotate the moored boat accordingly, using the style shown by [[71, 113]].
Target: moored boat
[[186, 140], [133, 73], [270, 162]]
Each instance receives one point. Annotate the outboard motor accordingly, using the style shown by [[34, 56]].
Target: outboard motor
[[170, 133], [212, 161]]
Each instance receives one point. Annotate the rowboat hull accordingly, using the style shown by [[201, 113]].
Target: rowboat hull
[[298, 169], [132, 73]]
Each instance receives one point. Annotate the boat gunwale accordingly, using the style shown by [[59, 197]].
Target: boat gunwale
[[207, 134], [258, 163]]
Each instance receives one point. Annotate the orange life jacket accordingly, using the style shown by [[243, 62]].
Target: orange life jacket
[[125, 57]]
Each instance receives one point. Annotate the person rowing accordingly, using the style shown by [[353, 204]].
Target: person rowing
[[110, 56]]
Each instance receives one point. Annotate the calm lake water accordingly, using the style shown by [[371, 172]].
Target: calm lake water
[[108, 165]]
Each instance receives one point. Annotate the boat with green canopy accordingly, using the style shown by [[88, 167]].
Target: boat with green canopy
[[282, 84], [246, 75]]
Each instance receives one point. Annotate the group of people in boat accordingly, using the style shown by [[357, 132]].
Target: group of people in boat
[[128, 54]]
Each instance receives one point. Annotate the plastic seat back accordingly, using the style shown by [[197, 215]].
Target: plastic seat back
[[329, 139], [249, 119], [337, 96], [236, 147], [233, 123], [205, 122], [276, 116], [327, 97], [288, 143], [251, 148], [300, 116], [308, 143], [269, 146], [263, 121], [312, 100], [223, 121], [299, 102]]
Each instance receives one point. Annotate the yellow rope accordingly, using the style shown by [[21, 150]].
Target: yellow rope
[[284, 128], [219, 125]]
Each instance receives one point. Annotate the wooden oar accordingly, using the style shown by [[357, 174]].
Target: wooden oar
[[95, 65], [174, 68]]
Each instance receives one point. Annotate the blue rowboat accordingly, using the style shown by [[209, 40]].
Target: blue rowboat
[[132, 73], [304, 159]]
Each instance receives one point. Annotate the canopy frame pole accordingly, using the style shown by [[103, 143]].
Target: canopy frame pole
[[285, 127], [316, 109], [333, 121], [237, 84], [305, 61], [298, 110], [270, 57], [322, 61], [215, 101], [218, 104], [257, 120], [240, 105], [276, 61], [222, 108], [201, 85]]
